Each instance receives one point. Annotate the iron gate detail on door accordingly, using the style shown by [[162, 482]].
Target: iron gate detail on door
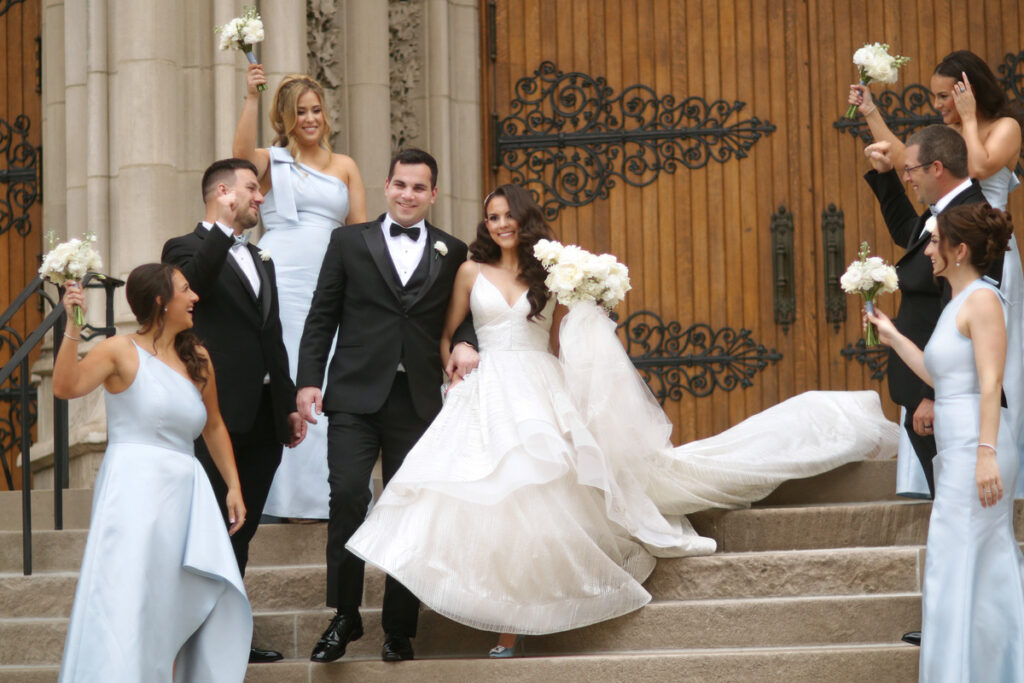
[[697, 359], [21, 176], [569, 137]]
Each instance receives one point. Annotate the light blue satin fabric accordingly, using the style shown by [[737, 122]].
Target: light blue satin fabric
[[301, 210], [973, 602], [159, 587]]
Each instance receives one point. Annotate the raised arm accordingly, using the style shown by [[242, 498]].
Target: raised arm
[[73, 377], [200, 261], [244, 146], [215, 434], [999, 149], [860, 95]]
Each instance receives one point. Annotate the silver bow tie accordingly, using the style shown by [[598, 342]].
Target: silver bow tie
[[241, 240]]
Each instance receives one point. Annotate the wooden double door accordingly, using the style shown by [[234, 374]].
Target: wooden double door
[[702, 143], [20, 196]]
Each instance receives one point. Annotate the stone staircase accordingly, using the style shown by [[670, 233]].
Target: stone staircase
[[815, 583]]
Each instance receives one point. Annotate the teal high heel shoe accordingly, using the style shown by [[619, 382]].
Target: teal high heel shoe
[[502, 652]]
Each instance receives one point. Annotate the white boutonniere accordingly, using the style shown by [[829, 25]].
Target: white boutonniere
[[264, 254], [930, 225], [440, 248]]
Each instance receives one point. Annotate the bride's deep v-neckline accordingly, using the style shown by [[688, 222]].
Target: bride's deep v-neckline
[[480, 274]]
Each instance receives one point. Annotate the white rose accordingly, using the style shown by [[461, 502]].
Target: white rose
[[931, 224], [862, 56], [567, 276], [252, 32], [264, 254], [547, 251], [851, 280], [891, 282]]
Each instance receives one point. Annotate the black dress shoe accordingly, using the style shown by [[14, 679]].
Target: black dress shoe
[[396, 649], [258, 655], [342, 631], [912, 637]]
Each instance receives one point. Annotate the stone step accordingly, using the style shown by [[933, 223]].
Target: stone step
[[661, 626], [891, 663], [76, 506], [872, 480], [845, 571], [855, 482]]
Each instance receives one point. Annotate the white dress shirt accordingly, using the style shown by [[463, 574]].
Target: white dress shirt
[[242, 257], [405, 253]]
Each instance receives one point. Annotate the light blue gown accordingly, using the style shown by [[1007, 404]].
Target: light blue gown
[[300, 211], [973, 596], [159, 587]]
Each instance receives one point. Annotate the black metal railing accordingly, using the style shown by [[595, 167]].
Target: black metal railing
[[24, 396]]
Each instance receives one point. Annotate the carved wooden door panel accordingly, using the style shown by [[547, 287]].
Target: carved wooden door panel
[[696, 141], [20, 195]]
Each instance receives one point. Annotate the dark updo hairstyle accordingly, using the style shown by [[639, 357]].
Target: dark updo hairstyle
[[532, 228], [988, 93], [985, 231], [149, 288]]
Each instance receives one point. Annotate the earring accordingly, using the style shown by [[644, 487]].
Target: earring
[[957, 265], [165, 308]]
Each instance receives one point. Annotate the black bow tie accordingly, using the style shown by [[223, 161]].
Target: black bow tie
[[411, 233]]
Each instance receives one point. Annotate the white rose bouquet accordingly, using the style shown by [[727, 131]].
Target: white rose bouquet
[[71, 260], [241, 33], [575, 274], [876, 64], [869, 276]]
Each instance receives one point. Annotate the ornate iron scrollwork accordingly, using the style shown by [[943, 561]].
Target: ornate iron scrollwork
[[835, 259], [10, 423], [904, 112], [20, 176], [696, 360], [569, 137], [1012, 76], [876, 357], [8, 4], [784, 280]]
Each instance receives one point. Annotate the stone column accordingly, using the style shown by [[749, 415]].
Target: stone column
[[54, 121], [366, 78]]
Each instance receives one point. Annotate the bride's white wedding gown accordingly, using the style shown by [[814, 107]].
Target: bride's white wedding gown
[[536, 500]]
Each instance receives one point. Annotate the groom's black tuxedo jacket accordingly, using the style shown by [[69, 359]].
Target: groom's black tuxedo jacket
[[378, 321], [241, 331], [922, 297]]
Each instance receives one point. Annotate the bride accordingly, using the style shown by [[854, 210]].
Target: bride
[[540, 495]]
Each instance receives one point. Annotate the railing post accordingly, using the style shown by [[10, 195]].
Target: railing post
[[26, 473], [60, 436]]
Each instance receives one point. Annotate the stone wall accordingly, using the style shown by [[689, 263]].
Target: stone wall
[[137, 101]]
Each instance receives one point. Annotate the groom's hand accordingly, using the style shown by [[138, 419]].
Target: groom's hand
[[308, 399], [462, 361], [880, 156]]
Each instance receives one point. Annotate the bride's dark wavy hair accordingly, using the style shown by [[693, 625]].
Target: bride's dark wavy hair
[[150, 287], [532, 228]]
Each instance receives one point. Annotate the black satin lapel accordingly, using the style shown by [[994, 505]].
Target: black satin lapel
[[265, 284], [433, 266], [922, 236], [246, 285], [379, 252]]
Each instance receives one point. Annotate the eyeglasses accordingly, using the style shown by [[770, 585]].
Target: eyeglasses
[[908, 169]]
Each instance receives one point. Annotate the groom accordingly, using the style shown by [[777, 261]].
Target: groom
[[383, 288], [237, 320]]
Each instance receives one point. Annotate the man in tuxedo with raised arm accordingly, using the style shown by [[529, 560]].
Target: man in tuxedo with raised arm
[[383, 289], [236, 318], [936, 167]]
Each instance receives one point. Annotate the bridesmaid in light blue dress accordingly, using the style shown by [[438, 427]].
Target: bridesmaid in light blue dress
[[309, 191], [973, 103], [159, 594], [973, 593]]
